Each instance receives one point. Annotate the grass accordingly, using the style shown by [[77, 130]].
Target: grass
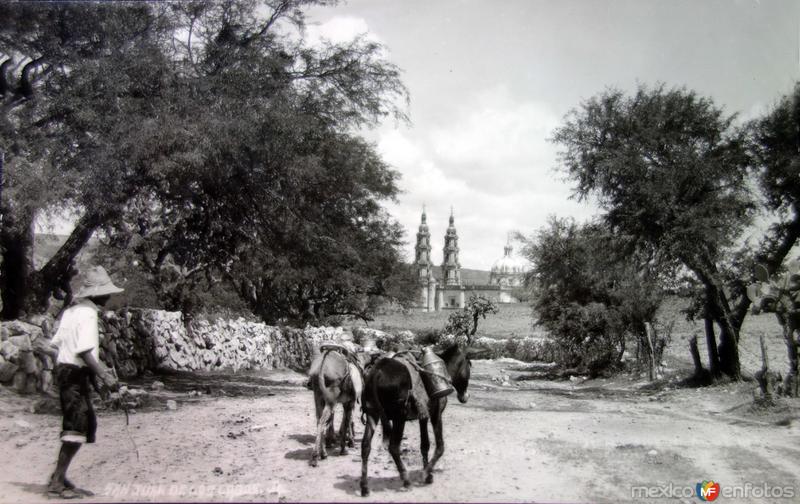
[[512, 321], [516, 321]]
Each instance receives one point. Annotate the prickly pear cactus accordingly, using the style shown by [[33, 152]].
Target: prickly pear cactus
[[778, 295], [781, 296]]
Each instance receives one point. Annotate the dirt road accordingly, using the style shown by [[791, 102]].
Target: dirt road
[[531, 441]]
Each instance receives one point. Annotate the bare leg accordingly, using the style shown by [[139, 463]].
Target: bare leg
[[65, 456], [398, 425], [366, 446]]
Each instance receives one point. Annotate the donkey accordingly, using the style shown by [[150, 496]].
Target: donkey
[[335, 379], [389, 397]]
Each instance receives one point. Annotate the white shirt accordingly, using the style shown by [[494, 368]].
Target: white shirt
[[78, 333]]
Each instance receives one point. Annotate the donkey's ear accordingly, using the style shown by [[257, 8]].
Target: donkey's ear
[[762, 275], [753, 292]]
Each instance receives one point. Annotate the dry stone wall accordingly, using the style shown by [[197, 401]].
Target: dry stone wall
[[137, 340]]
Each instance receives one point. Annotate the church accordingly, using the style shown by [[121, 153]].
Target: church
[[444, 288]]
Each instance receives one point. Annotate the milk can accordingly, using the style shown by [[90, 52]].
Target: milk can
[[436, 379]]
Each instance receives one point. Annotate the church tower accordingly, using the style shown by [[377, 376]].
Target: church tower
[[422, 261], [422, 258], [451, 268]]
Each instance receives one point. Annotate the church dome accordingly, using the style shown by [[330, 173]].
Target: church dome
[[509, 265]]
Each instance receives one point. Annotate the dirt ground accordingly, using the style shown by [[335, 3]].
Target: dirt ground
[[248, 438]]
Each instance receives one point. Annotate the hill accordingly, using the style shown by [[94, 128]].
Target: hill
[[468, 276]]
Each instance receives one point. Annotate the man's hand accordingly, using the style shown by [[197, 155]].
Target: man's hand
[[110, 381]]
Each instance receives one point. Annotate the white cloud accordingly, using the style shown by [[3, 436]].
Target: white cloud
[[339, 29], [492, 163]]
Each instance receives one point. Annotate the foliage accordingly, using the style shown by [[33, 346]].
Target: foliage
[[465, 321], [671, 173], [210, 142], [590, 302]]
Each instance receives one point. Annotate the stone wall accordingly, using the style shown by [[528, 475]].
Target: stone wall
[[138, 340], [157, 340]]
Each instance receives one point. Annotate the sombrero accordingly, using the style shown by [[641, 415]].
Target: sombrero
[[95, 282]]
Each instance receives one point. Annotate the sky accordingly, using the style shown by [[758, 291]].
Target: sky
[[490, 80]]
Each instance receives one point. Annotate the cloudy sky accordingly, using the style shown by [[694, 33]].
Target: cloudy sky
[[490, 80]]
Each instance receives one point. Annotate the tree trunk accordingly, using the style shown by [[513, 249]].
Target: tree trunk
[[720, 311], [648, 329], [699, 370], [711, 343], [17, 242], [60, 269]]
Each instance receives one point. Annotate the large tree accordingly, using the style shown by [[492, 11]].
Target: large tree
[[199, 135], [671, 173]]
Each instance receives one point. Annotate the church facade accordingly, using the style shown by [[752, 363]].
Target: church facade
[[444, 288]]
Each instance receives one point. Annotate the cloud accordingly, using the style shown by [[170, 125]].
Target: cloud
[[499, 142], [338, 30], [492, 162]]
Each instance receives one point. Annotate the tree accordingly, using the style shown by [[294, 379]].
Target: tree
[[671, 174], [200, 135], [589, 302], [775, 150], [465, 321]]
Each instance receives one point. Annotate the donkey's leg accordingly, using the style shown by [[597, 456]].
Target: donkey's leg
[[330, 433], [398, 425], [424, 440], [351, 429], [319, 451], [344, 429], [366, 446], [436, 421]]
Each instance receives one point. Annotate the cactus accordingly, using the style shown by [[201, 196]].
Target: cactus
[[782, 297]]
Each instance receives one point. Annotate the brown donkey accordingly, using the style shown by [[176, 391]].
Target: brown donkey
[[389, 397]]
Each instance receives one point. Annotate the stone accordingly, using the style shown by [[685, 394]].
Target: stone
[[27, 361], [172, 405], [9, 351], [44, 322], [208, 357], [4, 333], [7, 371], [652, 453], [31, 383], [157, 385], [47, 383], [41, 346], [47, 362], [23, 342], [127, 369], [20, 381], [161, 353], [23, 424], [20, 328]]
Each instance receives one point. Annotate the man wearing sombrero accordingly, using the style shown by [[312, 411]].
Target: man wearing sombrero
[[77, 366]]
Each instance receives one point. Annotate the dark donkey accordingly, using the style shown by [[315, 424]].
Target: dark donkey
[[389, 398]]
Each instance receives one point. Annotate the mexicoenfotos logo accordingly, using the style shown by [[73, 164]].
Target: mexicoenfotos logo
[[707, 490]]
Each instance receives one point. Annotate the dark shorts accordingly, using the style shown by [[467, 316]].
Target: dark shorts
[[74, 384]]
